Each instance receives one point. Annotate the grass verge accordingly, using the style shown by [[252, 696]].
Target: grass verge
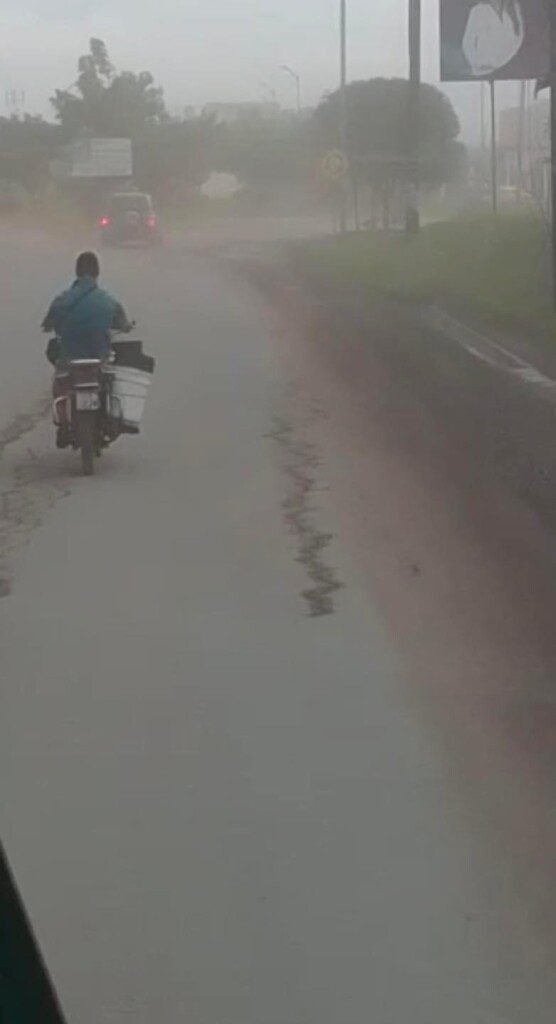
[[495, 267]]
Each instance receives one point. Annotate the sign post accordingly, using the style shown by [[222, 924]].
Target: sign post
[[493, 147], [334, 166]]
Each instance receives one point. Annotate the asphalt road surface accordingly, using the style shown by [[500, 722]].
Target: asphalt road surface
[[223, 797]]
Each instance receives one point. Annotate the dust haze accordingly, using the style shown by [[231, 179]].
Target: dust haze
[[277, 520]]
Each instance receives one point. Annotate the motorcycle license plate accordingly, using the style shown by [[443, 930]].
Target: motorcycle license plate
[[87, 401]]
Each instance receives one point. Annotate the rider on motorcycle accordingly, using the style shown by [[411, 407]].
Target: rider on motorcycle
[[83, 316]]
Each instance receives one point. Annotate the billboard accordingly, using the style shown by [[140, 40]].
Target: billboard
[[502, 39], [97, 158]]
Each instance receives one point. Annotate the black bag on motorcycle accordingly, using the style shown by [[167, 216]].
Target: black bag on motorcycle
[[130, 353], [53, 351]]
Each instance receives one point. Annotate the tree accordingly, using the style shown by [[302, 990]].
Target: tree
[[377, 112], [174, 157], [272, 157], [107, 104], [171, 156], [27, 145]]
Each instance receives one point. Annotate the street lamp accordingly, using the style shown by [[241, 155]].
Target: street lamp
[[297, 78]]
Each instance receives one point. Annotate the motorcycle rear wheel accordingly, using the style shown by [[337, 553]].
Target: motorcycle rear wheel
[[86, 441]]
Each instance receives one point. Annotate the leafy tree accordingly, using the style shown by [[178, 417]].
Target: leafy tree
[[174, 156], [27, 145], [377, 130], [170, 155], [107, 104], [272, 157]]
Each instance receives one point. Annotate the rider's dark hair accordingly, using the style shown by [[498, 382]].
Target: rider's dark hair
[[87, 265]]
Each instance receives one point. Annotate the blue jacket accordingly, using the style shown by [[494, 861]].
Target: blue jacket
[[83, 317]]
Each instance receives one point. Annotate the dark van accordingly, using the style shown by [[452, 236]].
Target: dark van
[[129, 219]]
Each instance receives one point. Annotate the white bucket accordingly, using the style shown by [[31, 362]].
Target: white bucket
[[128, 394]]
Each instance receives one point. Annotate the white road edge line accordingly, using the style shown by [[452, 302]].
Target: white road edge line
[[486, 350]]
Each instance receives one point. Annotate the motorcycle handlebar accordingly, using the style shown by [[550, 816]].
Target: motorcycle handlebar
[[125, 330]]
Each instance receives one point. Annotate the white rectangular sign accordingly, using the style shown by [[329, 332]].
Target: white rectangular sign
[[101, 158]]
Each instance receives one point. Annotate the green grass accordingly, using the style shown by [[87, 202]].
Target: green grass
[[496, 267]]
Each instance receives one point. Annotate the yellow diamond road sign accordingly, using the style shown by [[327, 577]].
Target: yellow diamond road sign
[[335, 164]]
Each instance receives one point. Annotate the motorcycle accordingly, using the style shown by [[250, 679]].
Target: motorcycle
[[95, 401]]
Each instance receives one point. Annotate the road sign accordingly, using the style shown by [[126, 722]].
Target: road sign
[[335, 165]]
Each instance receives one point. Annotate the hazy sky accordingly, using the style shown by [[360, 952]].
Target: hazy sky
[[214, 50]]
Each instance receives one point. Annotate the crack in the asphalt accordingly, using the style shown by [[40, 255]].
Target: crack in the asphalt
[[300, 462]]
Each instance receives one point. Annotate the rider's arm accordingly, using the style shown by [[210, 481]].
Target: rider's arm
[[121, 322], [51, 320]]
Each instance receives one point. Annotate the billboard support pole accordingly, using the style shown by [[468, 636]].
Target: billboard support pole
[[494, 146], [483, 120], [521, 142], [343, 110], [552, 9], [413, 111]]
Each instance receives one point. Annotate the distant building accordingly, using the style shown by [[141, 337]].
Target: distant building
[[536, 127], [524, 150], [232, 113]]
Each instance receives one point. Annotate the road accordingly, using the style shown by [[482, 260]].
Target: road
[[224, 798]]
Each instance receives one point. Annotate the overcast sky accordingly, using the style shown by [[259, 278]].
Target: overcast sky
[[214, 50]]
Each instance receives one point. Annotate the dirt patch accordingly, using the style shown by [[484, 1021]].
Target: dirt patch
[[24, 423], [443, 473], [29, 487]]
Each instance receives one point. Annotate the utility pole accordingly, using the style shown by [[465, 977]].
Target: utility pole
[[552, 9], [414, 118], [550, 83], [15, 101], [343, 110]]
